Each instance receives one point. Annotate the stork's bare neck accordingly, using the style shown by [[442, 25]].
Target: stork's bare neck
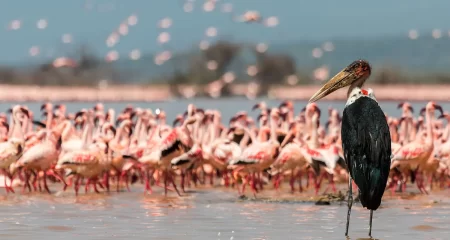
[[357, 84]]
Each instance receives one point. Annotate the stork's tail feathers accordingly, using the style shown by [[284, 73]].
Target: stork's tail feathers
[[370, 196]]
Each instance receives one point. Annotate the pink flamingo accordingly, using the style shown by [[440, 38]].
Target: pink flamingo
[[259, 155], [416, 153], [12, 149]]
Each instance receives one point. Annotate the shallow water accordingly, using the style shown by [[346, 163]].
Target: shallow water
[[213, 213]]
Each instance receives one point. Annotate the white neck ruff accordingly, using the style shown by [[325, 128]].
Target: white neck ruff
[[357, 92]]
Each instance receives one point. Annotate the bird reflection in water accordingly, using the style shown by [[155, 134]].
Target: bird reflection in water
[[160, 206]]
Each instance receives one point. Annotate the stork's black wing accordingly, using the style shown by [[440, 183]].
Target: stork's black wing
[[366, 142]]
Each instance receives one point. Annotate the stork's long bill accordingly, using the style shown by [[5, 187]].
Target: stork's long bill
[[354, 74]]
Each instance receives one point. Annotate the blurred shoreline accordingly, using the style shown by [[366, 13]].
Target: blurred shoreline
[[152, 93]]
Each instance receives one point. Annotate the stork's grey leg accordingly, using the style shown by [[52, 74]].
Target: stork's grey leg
[[370, 224], [350, 202]]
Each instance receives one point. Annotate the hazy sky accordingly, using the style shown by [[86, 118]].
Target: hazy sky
[[299, 20]]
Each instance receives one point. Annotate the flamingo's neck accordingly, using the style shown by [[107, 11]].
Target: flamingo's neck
[[137, 129], [273, 129], [314, 140], [118, 135], [143, 133], [49, 124], [17, 131], [429, 121], [85, 136], [154, 134], [13, 125]]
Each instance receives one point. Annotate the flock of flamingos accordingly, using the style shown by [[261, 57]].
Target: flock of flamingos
[[102, 149]]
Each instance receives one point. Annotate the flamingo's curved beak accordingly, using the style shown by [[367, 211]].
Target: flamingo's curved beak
[[26, 112], [286, 103], [256, 106], [422, 112], [177, 120], [439, 108], [231, 129]]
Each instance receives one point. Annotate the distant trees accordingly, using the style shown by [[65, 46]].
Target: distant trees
[[82, 69], [214, 62], [273, 69], [200, 68]]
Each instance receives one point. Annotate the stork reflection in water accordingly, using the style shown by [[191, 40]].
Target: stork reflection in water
[[366, 140]]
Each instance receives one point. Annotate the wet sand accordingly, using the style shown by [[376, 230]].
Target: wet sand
[[216, 213], [128, 93]]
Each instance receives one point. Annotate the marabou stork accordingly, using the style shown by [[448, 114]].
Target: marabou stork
[[366, 140]]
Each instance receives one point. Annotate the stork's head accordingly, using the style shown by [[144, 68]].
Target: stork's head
[[358, 71]]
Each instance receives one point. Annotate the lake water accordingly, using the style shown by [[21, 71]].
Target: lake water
[[214, 213]]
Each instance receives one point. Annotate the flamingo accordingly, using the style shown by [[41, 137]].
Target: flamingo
[[41, 156], [172, 146], [416, 153], [259, 155], [12, 149], [291, 158], [86, 162]]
